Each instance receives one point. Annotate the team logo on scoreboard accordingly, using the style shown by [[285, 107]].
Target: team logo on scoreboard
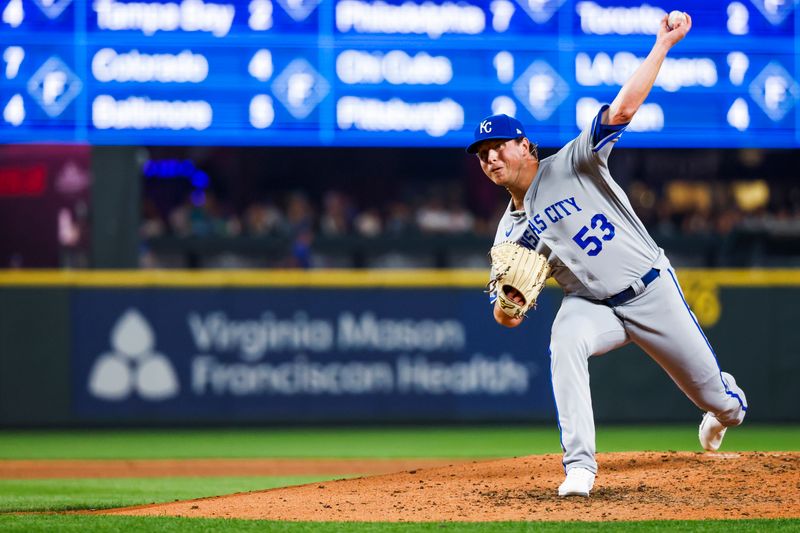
[[299, 10], [52, 8], [54, 86], [775, 91], [540, 10], [774, 12], [541, 89], [300, 88]]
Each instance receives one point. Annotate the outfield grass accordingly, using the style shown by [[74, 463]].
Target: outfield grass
[[104, 493], [131, 524], [369, 442]]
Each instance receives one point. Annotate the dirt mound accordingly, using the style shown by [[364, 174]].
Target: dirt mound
[[630, 486], [108, 468]]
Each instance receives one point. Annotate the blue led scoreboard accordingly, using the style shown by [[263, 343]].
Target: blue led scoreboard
[[388, 72]]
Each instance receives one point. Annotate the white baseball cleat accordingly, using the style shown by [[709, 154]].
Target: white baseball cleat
[[579, 482], [711, 433]]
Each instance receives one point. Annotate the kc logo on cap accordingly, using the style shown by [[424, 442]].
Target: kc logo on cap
[[496, 127]]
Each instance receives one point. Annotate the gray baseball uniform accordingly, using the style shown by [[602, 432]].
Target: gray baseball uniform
[[619, 288]]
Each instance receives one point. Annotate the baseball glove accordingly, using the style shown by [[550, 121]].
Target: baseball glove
[[517, 267]]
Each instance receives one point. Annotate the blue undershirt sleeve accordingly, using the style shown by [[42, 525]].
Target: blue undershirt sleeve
[[603, 134]]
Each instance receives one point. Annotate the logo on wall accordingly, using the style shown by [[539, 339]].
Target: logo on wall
[[133, 367]]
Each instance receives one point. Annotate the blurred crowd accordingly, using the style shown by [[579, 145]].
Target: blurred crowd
[[334, 214], [680, 208], [717, 208], [668, 192]]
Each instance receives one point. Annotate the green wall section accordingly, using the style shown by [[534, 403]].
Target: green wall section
[[758, 338], [753, 332], [116, 189], [34, 356]]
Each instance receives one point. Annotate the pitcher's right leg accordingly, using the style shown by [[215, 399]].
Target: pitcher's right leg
[[581, 329]]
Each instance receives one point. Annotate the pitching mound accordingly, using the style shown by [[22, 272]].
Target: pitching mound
[[110, 468], [631, 486]]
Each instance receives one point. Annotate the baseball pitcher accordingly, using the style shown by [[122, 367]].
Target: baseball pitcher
[[568, 218]]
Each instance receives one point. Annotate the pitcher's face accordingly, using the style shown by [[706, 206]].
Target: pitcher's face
[[502, 160]]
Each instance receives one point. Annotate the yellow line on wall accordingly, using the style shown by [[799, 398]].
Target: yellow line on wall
[[742, 277], [467, 278], [246, 278]]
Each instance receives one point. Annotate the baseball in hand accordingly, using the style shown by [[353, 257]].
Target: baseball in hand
[[675, 19]]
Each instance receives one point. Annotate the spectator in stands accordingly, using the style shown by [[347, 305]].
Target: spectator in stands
[[300, 218], [400, 219], [337, 214], [368, 223], [432, 217], [262, 219], [152, 223]]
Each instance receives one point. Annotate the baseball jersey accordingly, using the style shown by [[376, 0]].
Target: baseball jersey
[[581, 220]]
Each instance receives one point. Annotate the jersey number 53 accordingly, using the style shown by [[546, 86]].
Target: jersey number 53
[[592, 243]]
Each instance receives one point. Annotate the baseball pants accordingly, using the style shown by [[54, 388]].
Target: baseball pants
[[660, 322]]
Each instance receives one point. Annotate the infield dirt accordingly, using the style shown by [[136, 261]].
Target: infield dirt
[[630, 486], [108, 468]]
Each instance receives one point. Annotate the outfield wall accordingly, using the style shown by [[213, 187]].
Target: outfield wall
[[217, 347]]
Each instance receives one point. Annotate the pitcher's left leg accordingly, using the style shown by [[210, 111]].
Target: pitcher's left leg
[[661, 322]]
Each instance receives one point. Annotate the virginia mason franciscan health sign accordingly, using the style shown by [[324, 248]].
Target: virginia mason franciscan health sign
[[267, 355]]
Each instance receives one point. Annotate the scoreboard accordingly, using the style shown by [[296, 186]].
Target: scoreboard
[[389, 72]]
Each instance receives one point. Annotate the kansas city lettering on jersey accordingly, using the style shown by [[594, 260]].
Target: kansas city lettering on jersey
[[554, 213]]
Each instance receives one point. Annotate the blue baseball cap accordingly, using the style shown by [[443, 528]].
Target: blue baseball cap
[[496, 127]]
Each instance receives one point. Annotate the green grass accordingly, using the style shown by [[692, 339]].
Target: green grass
[[60, 494], [368, 442], [67, 524], [762, 438], [105, 493]]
